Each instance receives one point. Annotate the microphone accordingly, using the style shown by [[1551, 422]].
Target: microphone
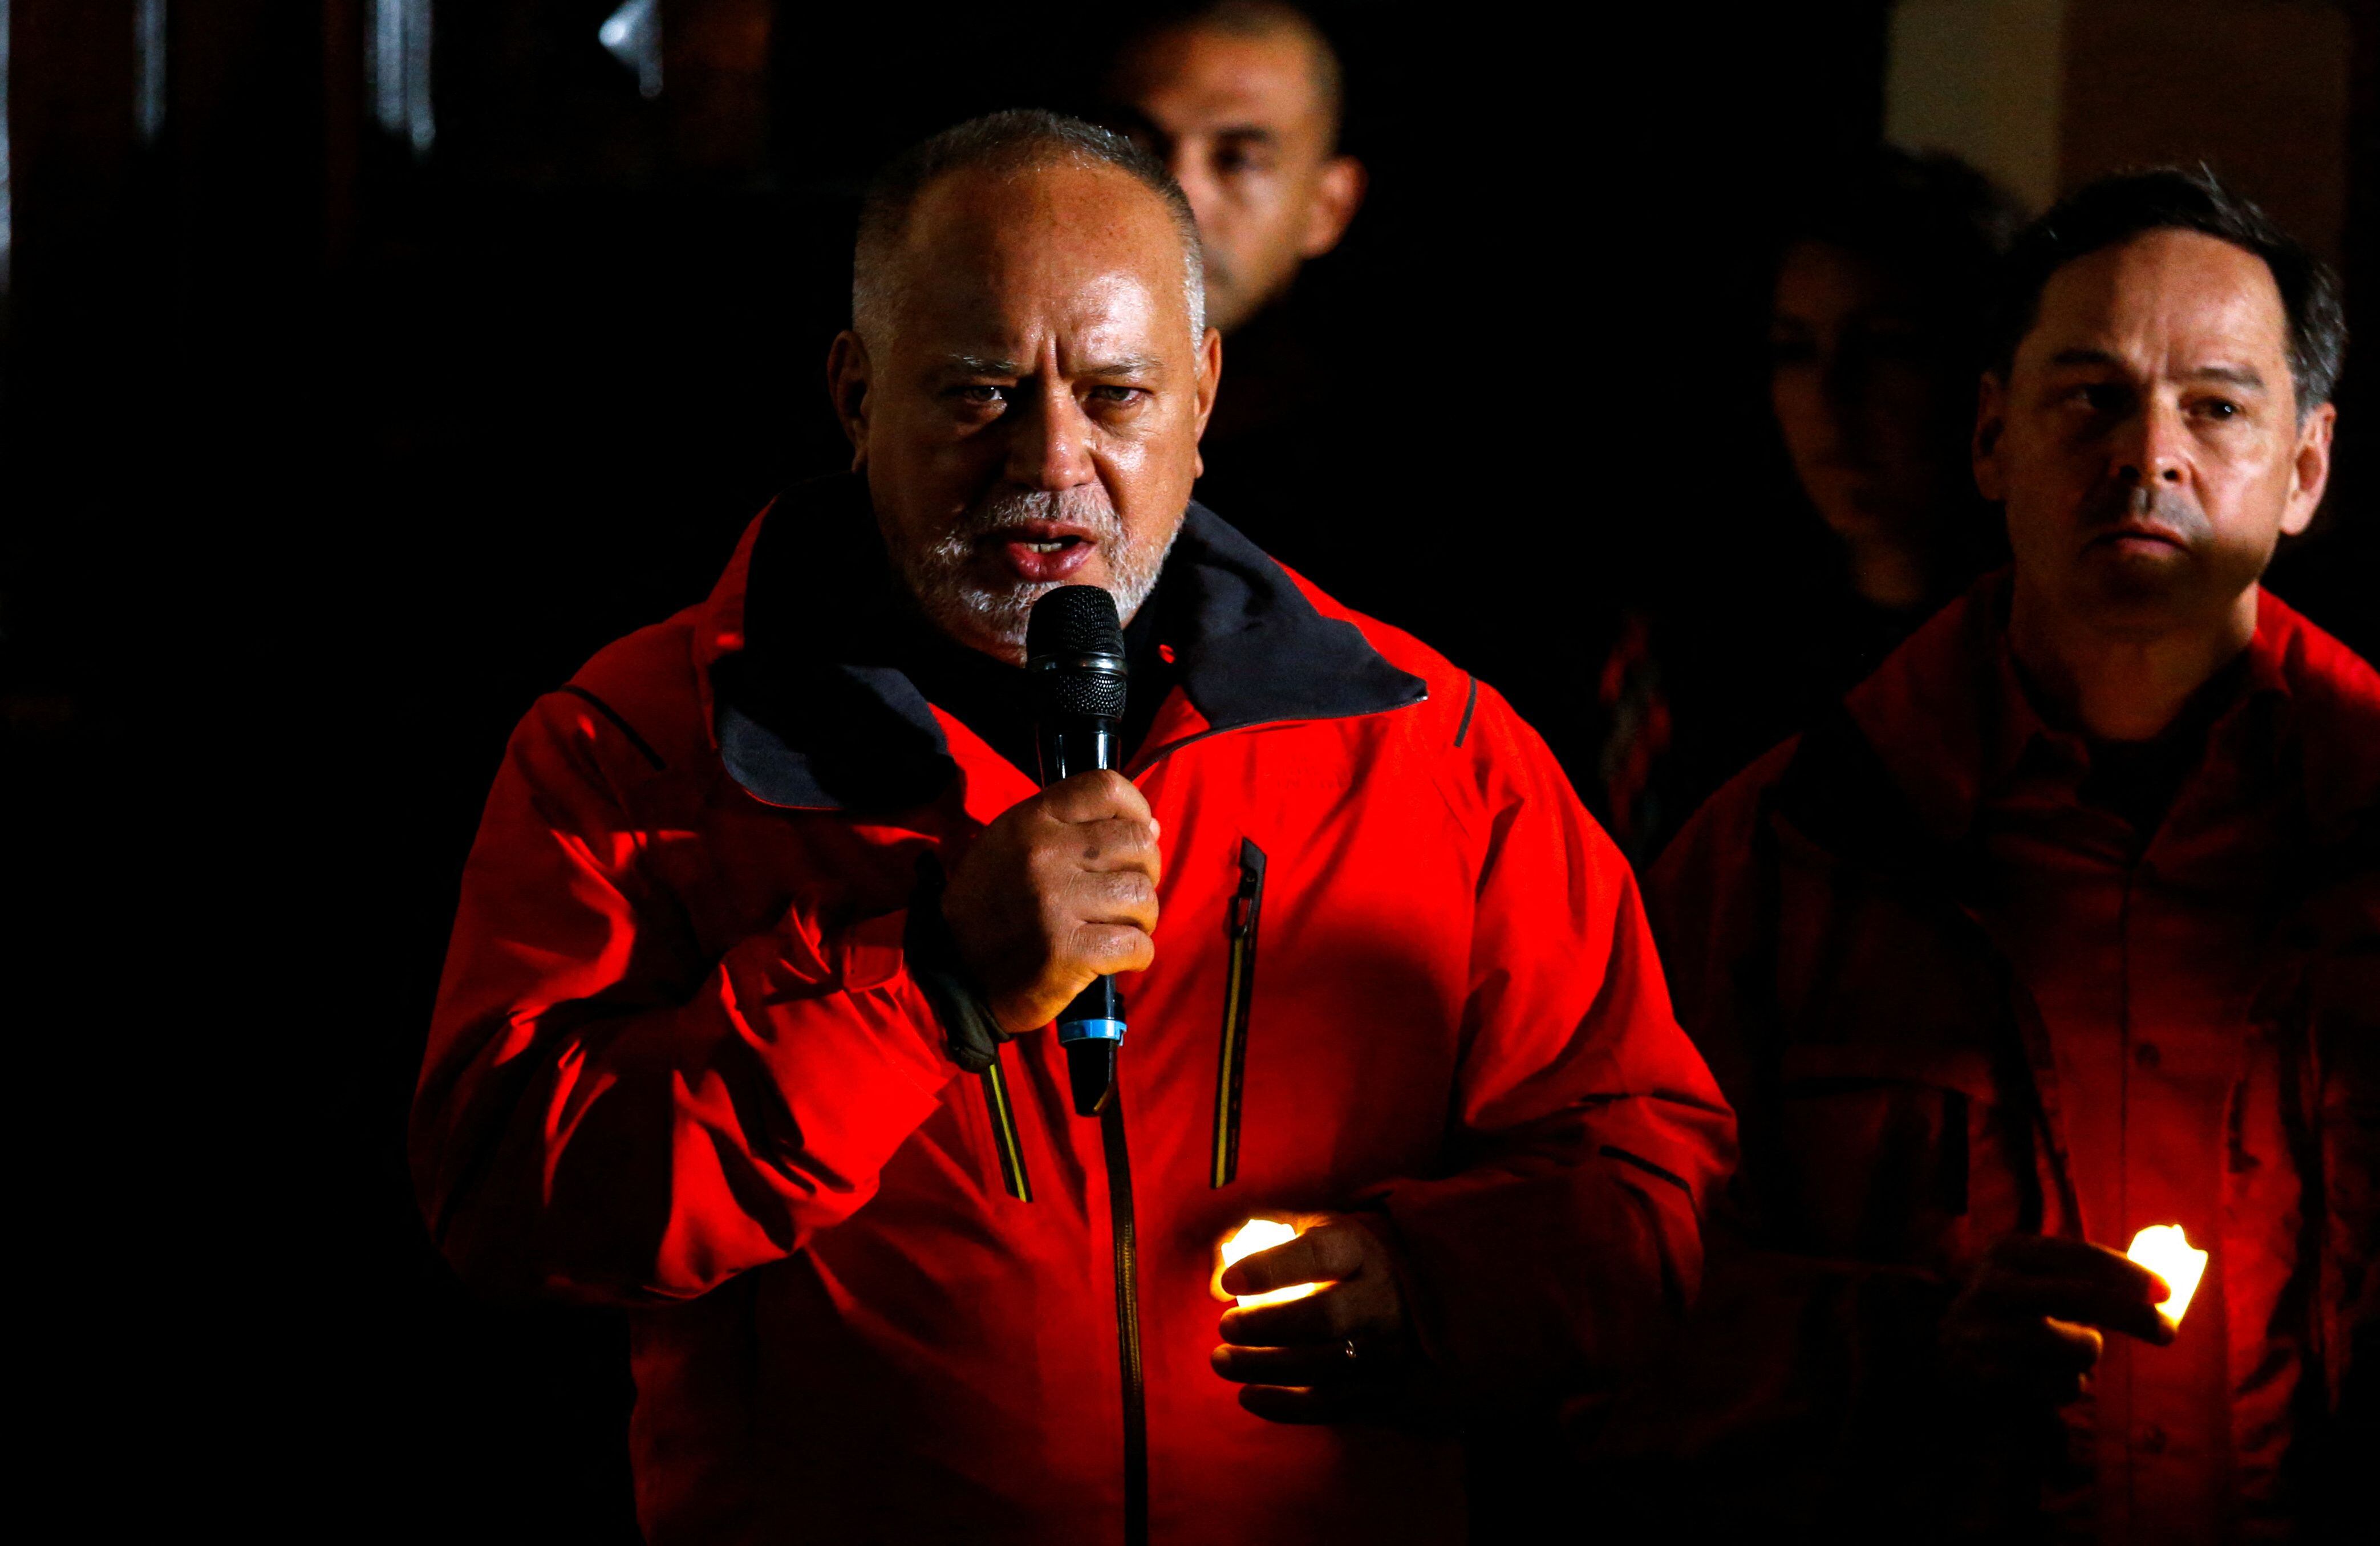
[[1073, 656]]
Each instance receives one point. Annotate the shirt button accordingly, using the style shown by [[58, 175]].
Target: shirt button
[[2153, 1439], [2147, 1055]]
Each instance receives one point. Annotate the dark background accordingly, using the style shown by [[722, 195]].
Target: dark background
[[323, 459]]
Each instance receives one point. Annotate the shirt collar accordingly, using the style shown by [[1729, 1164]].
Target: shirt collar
[[1951, 716], [812, 710]]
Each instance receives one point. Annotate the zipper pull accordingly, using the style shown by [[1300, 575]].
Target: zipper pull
[[1239, 992], [1243, 901]]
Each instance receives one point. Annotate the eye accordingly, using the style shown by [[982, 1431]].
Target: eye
[[2219, 409], [1791, 343], [1110, 393], [2098, 397], [1232, 158], [978, 394]]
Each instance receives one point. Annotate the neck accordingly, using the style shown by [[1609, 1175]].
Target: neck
[[2123, 685]]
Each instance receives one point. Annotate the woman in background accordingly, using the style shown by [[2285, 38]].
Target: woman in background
[[1875, 317]]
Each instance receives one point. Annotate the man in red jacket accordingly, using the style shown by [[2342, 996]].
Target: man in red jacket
[[698, 1045], [2066, 926]]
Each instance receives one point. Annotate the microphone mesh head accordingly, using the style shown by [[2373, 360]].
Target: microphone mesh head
[[1097, 693], [1073, 621]]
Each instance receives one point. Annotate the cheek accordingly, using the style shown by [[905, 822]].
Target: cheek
[[1793, 397], [1264, 221], [905, 434], [2245, 503], [1251, 193], [1145, 471], [2034, 457], [2042, 495], [927, 470], [2261, 470]]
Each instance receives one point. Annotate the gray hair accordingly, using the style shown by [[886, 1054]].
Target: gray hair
[[2123, 205], [1021, 140]]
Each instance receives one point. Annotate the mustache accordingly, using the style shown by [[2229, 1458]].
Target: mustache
[[1085, 505]]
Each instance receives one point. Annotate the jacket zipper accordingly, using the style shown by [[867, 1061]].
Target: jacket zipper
[[1240, 923], [1128, 1289], [1239, 991]]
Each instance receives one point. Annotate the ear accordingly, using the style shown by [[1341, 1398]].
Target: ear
[[2310, 470], [1991, 423], [849, 377], [1338, 194], [1210, 378]]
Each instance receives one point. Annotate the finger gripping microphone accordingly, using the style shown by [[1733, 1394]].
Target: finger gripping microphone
[[1073, 656]]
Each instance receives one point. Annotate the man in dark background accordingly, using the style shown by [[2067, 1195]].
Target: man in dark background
[[2063, 927], [341, 378], [1242, 101], [1246, 102]]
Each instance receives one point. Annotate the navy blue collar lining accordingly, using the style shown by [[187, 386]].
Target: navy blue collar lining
[[816, 714]]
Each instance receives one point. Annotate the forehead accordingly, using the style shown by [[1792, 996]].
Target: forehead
[[1819, 278], [1199, 79], [997, 259], [2162, 294]]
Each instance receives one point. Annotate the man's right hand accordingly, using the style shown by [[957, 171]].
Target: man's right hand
[[2027, 1321], [1061, 889]]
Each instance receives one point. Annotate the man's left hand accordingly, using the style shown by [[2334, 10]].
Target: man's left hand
[[1339, 1354]]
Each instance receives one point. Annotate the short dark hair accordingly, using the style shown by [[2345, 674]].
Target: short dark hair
[[1016, 141], [1259, 18], [2116, 209]]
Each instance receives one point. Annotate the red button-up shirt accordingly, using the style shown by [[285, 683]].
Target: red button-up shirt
[[2141, 937], [1960, 981]]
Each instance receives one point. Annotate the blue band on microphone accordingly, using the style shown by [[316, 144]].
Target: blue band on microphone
[[1090, 1030]]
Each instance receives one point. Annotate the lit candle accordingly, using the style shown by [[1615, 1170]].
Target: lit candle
[[1261, 1234], [2165, 1251]]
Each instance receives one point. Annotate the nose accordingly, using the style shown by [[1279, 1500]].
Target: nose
[[1847, 389], [1844, 377], [1049, 446], [2153, 446]]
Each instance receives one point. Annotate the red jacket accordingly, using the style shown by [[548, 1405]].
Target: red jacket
[[678, 1065], [1951, 999]]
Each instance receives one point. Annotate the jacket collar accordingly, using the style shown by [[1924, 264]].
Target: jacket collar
[[801, 642], [1944, 722]]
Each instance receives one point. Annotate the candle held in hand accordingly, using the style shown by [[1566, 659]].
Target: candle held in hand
[[1261, 1234], [2165, 1251]]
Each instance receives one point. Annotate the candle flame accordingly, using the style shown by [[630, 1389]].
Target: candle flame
[[1261, 1234], [2165, 1251]]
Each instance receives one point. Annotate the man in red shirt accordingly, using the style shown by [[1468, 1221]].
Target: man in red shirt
[[2064, 927], [761, 881]]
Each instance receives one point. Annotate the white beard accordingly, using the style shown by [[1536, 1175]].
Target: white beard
[[941, 575]]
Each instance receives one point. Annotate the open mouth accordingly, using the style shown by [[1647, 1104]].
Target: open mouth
[[1043, 553]]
